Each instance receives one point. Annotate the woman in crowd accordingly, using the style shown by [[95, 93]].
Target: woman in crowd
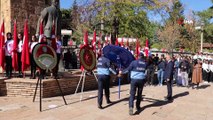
[[32, 61], [197, 73]]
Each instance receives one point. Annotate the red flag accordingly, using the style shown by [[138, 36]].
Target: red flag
[[147, 48], [2, 46], [53, 42], [15, 47], [122, 42], [116, 42], [137, 50], [85, 38], [25, 57], [41, 32], [94, 41]]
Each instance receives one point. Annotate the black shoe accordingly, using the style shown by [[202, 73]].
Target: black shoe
[[138, 108], [168, 98], [109, 102], [100, 107], [130, 111]]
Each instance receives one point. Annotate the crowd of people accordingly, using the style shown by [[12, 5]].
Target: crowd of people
[[187, 69], [184, 71], [9, 51]]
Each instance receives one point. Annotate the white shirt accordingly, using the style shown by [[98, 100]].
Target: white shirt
[[211, 67], [59, 44], [20, 46], [8, 47], [205, 67], [32, 46]]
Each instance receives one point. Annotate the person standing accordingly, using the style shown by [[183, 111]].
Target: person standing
[[20, 45], [32, 61], [184, 68], [211, 72], [138, 70], [161, 69], [168, 77], [103, 71], [58, 53], [197, 73], [8, 54]]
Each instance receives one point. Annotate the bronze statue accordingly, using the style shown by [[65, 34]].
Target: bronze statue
[[50, 15]]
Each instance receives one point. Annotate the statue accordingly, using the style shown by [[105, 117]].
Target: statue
[[50, 15]]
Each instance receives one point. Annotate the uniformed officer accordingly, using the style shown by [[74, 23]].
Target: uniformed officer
[[8, 54], [103, 71], [137, 70]]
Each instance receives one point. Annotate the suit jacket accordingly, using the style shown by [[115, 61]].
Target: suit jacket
[[168, 73]]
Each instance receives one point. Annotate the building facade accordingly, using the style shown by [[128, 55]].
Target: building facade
[[21, 10]]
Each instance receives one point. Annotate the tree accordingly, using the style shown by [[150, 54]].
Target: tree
[[170, 34], [206, 16], [120, 17]]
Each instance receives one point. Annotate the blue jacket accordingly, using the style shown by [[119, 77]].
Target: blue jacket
[[168, 73], [103, 66], [161, 65], [137, 69]]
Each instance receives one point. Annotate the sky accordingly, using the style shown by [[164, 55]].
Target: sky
[[196, 5]]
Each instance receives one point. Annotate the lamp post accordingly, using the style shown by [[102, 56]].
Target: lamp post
[[201, 37]]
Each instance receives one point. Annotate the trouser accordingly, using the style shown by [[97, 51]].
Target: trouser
[[211, 76], [184, 78], [8, 66], [55, 70], [136, 84], [19, 64], [150, 76], [169, 88], [33, 66], [160, 76], [205, 75], [103, 83]]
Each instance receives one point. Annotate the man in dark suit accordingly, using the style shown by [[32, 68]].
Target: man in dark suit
[[168, 76]]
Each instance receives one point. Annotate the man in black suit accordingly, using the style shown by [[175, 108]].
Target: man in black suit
[[168, 76]]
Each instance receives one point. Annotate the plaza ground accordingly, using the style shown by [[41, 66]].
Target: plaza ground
[[188, 104]]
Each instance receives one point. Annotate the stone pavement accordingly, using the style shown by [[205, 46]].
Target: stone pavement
[[188, 104]]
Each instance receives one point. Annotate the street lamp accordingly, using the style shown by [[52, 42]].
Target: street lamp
[[201, 36]]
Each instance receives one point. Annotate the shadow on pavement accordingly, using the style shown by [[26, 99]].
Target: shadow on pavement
[[157, 103], [203, 86], [115, 102]]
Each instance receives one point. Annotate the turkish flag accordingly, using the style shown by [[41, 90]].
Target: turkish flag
[[53, 42], [2, 46], [15, 48], [85, 38], [41, 32], [116, 42], [94, 41], [147, 48], [25, 57], [137, 50], [122, 42]]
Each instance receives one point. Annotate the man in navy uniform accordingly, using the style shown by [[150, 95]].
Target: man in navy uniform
[[168, 76], [103, 71], [137, 70]]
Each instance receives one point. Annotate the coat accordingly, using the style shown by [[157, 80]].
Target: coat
[[197, 74]]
